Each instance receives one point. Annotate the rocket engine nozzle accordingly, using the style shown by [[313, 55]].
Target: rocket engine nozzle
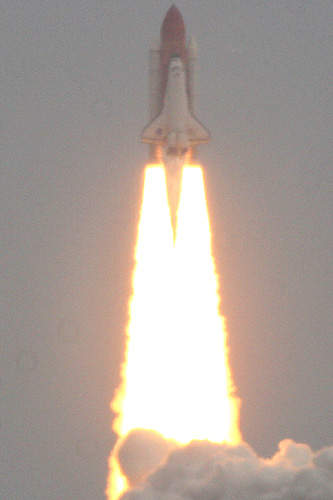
[[177, 144]]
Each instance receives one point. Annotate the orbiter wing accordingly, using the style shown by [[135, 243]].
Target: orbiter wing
[[158, 130], [196, 132]]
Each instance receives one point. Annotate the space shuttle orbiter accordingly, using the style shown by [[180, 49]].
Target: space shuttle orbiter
[[174, 130]]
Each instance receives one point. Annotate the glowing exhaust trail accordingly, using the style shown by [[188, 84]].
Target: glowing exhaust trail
[[208, 382], [148, 340], [133, 400], [176, 378]]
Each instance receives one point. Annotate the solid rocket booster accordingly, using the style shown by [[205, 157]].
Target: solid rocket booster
[[173, 128]]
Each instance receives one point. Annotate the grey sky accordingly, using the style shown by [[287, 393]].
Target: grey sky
[[74, 101]]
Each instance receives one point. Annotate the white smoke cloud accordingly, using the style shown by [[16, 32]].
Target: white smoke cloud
[[140, 453], [210, 471]]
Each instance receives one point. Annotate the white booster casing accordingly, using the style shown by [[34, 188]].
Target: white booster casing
[[191, 72], [154, 81], [155, 97]]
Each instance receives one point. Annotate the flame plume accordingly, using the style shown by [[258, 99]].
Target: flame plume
[[209, 410], [176, 378]]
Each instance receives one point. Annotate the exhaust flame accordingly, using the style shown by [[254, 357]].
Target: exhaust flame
[[209, 410], [176, 378]]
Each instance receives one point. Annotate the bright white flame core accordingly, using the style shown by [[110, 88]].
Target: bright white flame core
[[176, 378], [143, 402], [202, 384]]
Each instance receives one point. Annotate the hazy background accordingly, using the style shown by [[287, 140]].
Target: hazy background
[[74, 101]]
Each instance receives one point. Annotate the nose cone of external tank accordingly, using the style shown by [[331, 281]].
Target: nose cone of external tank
[[173, 27]]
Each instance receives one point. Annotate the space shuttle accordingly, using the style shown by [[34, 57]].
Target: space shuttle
[[174, 131]]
